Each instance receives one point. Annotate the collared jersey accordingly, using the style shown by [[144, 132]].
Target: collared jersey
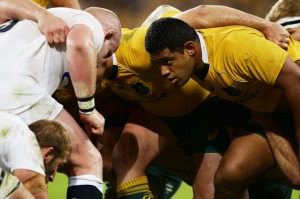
[[243, 66], [31, 70], [136, 79]]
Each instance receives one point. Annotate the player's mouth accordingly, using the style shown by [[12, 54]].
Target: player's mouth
[[173, 80]]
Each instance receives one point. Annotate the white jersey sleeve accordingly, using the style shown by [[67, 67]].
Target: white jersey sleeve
[[19, 148], [8, 184], [74, 17]]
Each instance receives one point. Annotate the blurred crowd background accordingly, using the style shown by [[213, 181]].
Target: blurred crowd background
[[133, 12]]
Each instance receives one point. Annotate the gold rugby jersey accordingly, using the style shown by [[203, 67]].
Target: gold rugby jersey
[[136, 79], [243, 66]]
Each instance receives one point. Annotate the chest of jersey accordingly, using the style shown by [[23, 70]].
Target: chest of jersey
[[244, 74], [232, 86]]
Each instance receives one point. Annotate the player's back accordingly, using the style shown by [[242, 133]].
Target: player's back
[[18, 37], [25, 53]]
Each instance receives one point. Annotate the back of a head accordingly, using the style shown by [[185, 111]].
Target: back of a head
[[169, 33], [109, 21], [52, 134], [105, 17], [284, 9]]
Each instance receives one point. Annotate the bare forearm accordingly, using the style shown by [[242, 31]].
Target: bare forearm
[[288, 80], [283, 150], [285, 155], [209, 16], [293, 98], [41, 195], [54, 28], [215, 16], [36, 184], [81, 55], [18, 10], [82, 75]]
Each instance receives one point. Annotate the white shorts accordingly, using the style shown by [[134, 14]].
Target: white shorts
[[19, 148]]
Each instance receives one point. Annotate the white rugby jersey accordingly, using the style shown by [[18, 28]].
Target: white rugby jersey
[[31, 70], [19, 148]]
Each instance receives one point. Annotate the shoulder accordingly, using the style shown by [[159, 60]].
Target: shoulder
[[132, 54], [136, 34], [73, 16], [12, 126], [237, 40], [79, 17]]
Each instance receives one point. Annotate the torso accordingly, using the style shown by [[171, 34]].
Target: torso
[[238, 72], [31, 70]]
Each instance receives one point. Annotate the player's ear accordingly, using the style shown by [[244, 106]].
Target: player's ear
[[190, 47], [47, 153], [109, 35]]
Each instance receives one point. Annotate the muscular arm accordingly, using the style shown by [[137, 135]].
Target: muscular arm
[[66, 3], [289, 81], [54, 28], [209, 16], [283, 150], [82, 61], [34, 182], [18, 10], [81, 55], [22, 193]]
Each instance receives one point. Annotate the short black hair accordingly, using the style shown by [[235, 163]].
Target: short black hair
[[169, 33]]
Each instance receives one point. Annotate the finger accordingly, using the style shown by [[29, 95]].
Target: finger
[[62, 37], [66, 31], [283, 45], [286, 40], [49, 38], [56, 38], [88, 130], [97, 131]]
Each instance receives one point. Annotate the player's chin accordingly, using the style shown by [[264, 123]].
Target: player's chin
[[180, 82]]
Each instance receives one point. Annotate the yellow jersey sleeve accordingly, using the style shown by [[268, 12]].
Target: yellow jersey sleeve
[[170, 13], [43, 3]]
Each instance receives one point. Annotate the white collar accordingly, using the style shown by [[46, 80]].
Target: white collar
[[203, 48], [115, 62], [289, 22]]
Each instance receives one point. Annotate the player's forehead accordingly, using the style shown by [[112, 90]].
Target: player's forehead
[[161, 56]]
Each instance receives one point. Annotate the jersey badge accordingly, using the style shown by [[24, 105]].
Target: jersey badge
[[140, 88], [232, 91]]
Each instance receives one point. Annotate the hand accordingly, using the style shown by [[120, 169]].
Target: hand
[[54, 28], [94, 123], [277, 34]]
